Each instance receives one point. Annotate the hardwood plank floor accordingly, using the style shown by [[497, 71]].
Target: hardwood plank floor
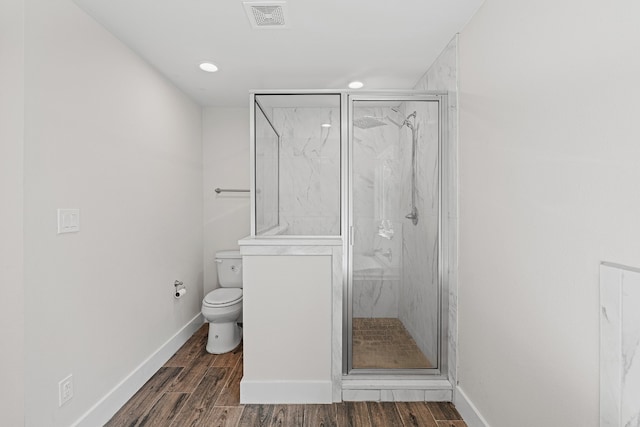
[[451, 424], [320, 415], [146, 397], [201, 404], [384, 414], [287, 415], [256, 415], [164, 411], [415, 414], [197, 389], [352, 414], [444, 411]]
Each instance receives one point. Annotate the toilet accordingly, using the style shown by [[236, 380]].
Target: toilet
[[222, 307]]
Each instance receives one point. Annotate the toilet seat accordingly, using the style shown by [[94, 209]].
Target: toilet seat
[[223, 297]]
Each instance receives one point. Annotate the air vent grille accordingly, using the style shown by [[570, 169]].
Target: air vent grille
[[266, 14]]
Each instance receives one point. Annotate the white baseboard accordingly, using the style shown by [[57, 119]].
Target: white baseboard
[[106, 407], [271, 392], [467, 409]]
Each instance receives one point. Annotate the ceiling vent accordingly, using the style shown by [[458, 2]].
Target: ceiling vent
[[267, 14]]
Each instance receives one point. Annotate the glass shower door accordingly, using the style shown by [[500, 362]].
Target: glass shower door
[[394, 280]]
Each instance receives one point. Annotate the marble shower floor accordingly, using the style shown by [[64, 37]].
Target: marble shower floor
[[385, 343]]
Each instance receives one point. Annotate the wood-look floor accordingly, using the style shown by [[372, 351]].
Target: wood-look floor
[[195, 388]]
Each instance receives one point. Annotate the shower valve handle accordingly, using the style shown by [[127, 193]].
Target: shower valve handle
[[413, 216]]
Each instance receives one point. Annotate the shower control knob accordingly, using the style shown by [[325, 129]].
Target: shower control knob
[[413, 216]]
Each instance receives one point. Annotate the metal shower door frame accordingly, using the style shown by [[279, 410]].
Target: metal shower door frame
[[443, 343]]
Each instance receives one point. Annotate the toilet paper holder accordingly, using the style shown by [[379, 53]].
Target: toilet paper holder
[[181, 289]]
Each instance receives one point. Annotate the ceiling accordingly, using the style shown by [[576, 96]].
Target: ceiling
[[327, 43]]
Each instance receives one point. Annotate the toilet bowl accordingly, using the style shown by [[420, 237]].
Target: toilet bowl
[[222, 307]]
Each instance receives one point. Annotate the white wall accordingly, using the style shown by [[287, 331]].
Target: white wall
[[549, 187], [11, 224], [225, 152], [107, 134], [287, 299]]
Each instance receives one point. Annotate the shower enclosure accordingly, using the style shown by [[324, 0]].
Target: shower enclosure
[[366, 168], [297, 165], [395, 321]]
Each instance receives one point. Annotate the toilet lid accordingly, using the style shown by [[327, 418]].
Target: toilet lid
[[223, 296]]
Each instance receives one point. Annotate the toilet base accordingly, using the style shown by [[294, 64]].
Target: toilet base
[[223, 337]]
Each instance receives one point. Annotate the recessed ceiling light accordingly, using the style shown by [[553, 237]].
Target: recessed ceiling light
[[208, 67], [325, 125], [355, 85]]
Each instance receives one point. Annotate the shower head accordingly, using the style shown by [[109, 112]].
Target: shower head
[[367, 122], [398, 118], [399, 124], [404, 122]]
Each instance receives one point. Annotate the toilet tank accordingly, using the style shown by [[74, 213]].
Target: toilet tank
[[229, 269]]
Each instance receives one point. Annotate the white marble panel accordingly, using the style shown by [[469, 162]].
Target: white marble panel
[[376, 215], [419, 294], [336, 328], [630, 408], [610, 346], [619, 346], [309, 168], [438, 396], [402, 395], [376, 272], [266, 174], [361, 395], [443, 76], [258, 246], [310, 225], [396, 382], [443, 73], [375, 151], [375, 298]]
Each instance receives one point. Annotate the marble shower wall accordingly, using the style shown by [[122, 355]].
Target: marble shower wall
[[395, 262], [443, 76], [377, 221], [414, 294], [266, 174], [309, 181], [619, 346], [418, 298]]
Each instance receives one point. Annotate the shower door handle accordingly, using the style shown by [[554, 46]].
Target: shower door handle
[[351, 235]]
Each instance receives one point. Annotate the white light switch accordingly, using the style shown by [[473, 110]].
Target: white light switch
[[68, 220]]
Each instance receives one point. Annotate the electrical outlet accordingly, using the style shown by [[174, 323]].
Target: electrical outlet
[[65, 390]]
